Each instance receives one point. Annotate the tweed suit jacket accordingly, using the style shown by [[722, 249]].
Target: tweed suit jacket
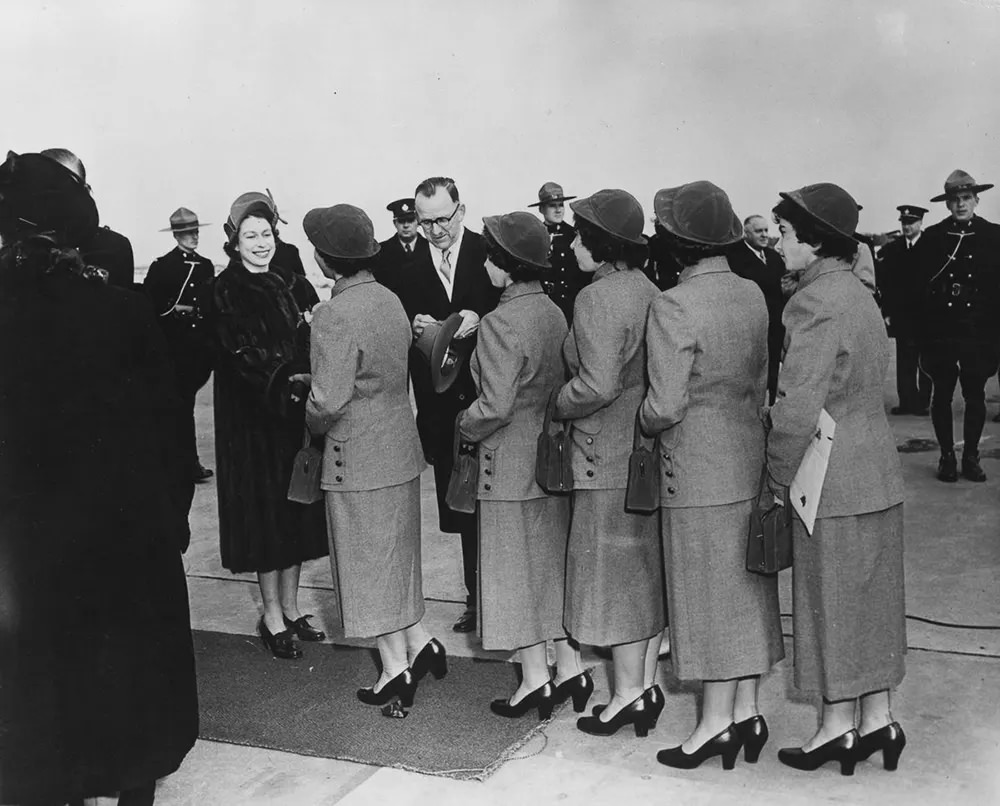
[[359, 344], [707, 345], [517, 364], [606, 354], [836, 357]]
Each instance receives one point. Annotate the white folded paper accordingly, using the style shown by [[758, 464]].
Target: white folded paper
[[808, 482]]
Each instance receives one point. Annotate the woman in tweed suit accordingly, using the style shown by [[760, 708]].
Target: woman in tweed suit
[[372, 458], [847, 585], [614, 582], [707, 343], [522, 531]]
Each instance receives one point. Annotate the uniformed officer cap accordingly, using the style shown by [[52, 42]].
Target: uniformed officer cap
[[911, 212], [402, 209]]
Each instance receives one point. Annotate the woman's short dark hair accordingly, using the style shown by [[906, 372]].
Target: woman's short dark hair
[[607, 248], [345, 267], [828, 241], [686, 252], [519, 271]]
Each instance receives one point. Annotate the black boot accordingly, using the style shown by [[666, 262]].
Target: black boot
[[948, 467], [970, 467]]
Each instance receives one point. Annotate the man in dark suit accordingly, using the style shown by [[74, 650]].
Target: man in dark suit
[[450, 277], [107, 249], [397, 254], [754, 259], [176, 283], [900, 298], [957, 263]]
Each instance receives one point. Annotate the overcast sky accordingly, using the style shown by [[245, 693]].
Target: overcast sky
[[192, 103]]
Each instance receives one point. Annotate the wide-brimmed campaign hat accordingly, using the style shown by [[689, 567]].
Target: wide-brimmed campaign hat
[[911, 212], [342, 231], [700, 212], [828, 204], [550, 193], [522, 236], [615, 211], [957, 182], [183, 220], [40, 196]]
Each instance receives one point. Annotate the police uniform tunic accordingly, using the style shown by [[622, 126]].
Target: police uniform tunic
[[564, 280]]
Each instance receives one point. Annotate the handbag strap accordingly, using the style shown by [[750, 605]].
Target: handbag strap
[[306, 437], [636, 431], [456, 439]]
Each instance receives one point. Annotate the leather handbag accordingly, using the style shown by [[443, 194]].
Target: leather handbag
[[769, 541], [642, 491], [554, 457], [303, 488], [464, 479]]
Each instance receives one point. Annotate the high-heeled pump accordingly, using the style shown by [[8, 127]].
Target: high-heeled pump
[[281, 644], [890, 740], [654, 698], [753, 733], [726, 744], [579, 687], [541, 698], [402, 685], [842, 748], [636, 713], [303, 629], [432, 658]]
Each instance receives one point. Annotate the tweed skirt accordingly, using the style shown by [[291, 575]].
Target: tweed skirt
[[849, 604], [522, 569], [375, 558], [724, 620], [614, 571]]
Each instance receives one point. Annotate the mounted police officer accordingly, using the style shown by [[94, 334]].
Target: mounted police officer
[[175, 283], [564, 280], [958, 261]]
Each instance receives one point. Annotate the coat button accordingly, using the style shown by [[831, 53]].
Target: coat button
[[671, 490], [670, 473], [590, 440], [590, 473], [590, 458], [488, 472], [461, 397], [339, 463], [340, 478], [487, 487], [488, 456], [336, 449]]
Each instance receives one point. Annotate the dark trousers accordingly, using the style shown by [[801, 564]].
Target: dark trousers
[[462, 522], [968, 363], [913, 386]]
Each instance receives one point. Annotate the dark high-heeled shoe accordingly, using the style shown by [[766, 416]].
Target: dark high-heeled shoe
[[890, 740], [843, 748], [654, 698], [636, 713], [579, 688], [726, 744], [281, 644], [432, 658], [753, 733], [402, 685], [303, 629], [541, 698]]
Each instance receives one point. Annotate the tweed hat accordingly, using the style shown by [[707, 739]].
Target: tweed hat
[[247, 204], [698, 212], [342, 231], [829, 204], [958, 181], [617, 212], [522, 236]]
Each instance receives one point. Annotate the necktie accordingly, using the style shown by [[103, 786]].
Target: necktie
[[408, 248], [446, 265], [763, 257]]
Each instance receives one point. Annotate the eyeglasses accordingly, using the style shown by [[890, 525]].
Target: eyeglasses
[[428, 224]]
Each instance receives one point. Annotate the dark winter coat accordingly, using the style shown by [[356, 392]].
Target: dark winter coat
[[261, 339]]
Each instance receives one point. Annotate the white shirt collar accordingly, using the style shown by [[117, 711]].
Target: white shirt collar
[[453, 250]]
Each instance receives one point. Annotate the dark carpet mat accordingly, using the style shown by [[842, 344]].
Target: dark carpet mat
[[309, 707]]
